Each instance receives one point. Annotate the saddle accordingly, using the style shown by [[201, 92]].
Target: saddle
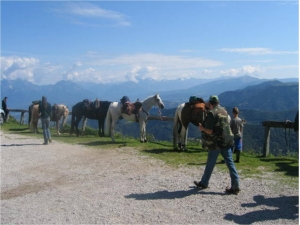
[[89, 105], [131, 108], [54, 113]]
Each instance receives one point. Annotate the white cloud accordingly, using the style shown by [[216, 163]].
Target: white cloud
[[79, 11], [16, 67], [160, 61], [245, 70], [257, 51]]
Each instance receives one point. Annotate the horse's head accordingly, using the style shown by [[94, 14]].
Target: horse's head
[[158, 102]]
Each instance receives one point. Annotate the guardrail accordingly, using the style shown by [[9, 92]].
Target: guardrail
[[23, 111], [268, 124]]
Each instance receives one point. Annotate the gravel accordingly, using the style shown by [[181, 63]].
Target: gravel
[[72, 184]]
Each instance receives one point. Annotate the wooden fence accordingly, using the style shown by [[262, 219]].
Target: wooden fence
[[268, 124], [23, 111]]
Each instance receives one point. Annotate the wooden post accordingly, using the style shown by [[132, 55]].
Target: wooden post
[[268, 124], [22, 118], [266, 148]]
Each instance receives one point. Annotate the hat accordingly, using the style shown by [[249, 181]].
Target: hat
[[213, 99]]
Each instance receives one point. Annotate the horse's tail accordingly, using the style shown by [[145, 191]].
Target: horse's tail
[[31, 126], [108, 122], [65, 117], [34, 118], [72, 121], [176, 127]]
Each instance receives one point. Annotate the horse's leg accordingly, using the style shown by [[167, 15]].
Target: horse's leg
[[63, 123], [101, 125], [57, 128], [112, 130], [143, 131], [83, 125], [76, 124], [175, 134]]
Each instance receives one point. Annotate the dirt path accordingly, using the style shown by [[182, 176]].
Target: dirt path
[[71, 184]]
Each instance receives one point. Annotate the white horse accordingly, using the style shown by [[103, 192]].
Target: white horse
[[114, 113], [59, 111], [186, 113]]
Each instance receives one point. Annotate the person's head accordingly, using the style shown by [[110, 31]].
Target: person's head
[[213, 100], [235, 111], [5, 98], [44, 101]]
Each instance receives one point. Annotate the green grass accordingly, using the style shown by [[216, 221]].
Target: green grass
[[284, 168]]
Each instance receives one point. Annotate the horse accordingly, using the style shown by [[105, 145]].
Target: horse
[[58, 111], [96, 110], [186, 113], [33, 117], [115, 113]]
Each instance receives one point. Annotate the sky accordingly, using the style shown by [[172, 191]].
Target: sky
[[115, 41]]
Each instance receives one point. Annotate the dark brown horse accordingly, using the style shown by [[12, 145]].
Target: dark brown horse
[[190, 112], [96, 110]]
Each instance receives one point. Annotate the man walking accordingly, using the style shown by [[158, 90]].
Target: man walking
[[45, 112], [218, 138]]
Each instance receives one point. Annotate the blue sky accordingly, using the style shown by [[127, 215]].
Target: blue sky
[[113, 41]]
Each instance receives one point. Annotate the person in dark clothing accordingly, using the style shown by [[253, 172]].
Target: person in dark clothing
[[296, 124], [218, 139], [44, 113], [5, 109]]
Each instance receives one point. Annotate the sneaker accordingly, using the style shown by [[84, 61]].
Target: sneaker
[[232, 190], [45, 143], [50, 140], [199, 185]]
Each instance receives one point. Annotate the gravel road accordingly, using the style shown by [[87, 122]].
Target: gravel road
[[72, 184]]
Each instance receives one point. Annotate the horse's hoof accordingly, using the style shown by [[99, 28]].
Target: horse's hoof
[[145, 141]]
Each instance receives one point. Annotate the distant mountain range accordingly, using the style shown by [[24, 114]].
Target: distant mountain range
[[21, 93]]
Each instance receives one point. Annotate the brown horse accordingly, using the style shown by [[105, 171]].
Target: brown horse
[[186, 113], [58, 111], [33, 118]]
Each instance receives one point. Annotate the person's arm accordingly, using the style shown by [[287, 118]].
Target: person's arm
[[209, 124]]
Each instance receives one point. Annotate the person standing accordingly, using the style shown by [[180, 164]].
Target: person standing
[[218, 138], [5, 109], [44, 113], [236, 126]]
